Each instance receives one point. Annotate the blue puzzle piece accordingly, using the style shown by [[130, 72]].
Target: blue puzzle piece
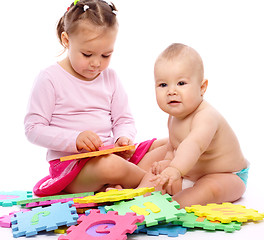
[[164, 229], [44, 218], [8, 199]]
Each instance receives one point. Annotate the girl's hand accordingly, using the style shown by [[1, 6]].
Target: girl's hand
[[124, 141], [88, 141], [166, 177]]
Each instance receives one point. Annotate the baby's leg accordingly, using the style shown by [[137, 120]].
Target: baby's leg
[[176, 186], [157, 152], [212, 188], [100, 172], [158, 143]]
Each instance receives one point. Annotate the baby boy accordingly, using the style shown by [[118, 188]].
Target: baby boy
[[202, 149]]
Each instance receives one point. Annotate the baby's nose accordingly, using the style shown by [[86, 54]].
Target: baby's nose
[[172, 91]]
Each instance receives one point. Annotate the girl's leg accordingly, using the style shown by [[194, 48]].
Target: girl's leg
[[99, 172], [212, 188]]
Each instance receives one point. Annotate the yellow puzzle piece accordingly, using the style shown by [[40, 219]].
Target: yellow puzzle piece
[[226, 212], [114, 195]]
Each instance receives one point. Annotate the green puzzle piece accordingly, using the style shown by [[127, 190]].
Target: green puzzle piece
[[155, 208], [190, 220], [54, 197]]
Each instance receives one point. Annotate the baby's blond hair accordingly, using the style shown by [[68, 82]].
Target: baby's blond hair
[[179, 50]]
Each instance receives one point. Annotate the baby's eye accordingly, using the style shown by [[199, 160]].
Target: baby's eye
[[86, 55], [163, 85], [181, 83]]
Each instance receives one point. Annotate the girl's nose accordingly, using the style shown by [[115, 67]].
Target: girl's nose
[[95, 63]]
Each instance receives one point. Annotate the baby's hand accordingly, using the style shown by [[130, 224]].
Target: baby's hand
[[121, 142], [89, 141], [166, 177], [158, 167]]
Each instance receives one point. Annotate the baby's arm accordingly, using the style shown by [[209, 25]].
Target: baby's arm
[[203, 129]]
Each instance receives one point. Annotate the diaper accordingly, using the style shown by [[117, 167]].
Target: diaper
[[243, 174], [186, 183]]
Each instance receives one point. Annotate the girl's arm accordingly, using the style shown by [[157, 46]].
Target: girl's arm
[[37, 120], [122, 120]]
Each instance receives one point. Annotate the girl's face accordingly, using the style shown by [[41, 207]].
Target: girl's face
[[89, 50]]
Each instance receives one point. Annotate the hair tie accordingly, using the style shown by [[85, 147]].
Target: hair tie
[[75, 2], [85, 7]]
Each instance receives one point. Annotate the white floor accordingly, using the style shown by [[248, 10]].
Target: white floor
[[253, 198], [227, 35]]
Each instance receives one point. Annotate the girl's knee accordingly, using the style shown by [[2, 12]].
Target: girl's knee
[[111, 166]]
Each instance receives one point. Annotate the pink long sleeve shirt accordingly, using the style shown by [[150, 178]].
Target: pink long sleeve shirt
[[62, 106]]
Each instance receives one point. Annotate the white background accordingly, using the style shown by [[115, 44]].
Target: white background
[[227, 34]]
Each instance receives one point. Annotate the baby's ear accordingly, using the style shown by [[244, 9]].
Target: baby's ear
[[204, 85]]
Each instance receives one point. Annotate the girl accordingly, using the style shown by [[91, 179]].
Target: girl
[[79, 104]]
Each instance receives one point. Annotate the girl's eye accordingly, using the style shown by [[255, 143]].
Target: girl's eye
[[87, 55], [163, 85], [181, 83], [106, 56]]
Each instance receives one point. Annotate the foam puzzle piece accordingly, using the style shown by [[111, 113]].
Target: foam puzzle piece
[[55, 197], [85, 205], [103, 226], [226, 212], [114, 195], [43, 218], [190, 220], [106, 147], [97, 153], [8, 199], [155, 208], [164, 229], [5, 221], [45, 203], [61, 230]]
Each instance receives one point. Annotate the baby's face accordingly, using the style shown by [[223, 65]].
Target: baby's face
[[178, 86]]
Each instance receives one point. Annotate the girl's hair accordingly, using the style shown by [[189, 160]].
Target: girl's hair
[[98, 12]]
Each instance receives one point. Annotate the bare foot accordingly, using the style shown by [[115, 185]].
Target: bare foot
[[119, 187]]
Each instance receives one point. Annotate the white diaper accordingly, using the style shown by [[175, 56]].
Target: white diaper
[[186, 183]]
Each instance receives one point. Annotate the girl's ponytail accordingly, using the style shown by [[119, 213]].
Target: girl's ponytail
[[100, 13]]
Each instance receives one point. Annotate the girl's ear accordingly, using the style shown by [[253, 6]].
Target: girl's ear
[[204, 85], [65, 39]]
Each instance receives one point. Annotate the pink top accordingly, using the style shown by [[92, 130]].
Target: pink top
[[62, 106]]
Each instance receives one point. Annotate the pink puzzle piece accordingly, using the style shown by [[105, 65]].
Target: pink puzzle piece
[[86, 205], [103, 226], [5, 197], [106, 147], [49, 202]]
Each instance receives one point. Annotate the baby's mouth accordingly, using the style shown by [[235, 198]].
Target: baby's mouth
[[174, 102]]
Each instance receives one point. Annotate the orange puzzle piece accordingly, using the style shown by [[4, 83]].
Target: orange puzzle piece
[[97, 153]]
